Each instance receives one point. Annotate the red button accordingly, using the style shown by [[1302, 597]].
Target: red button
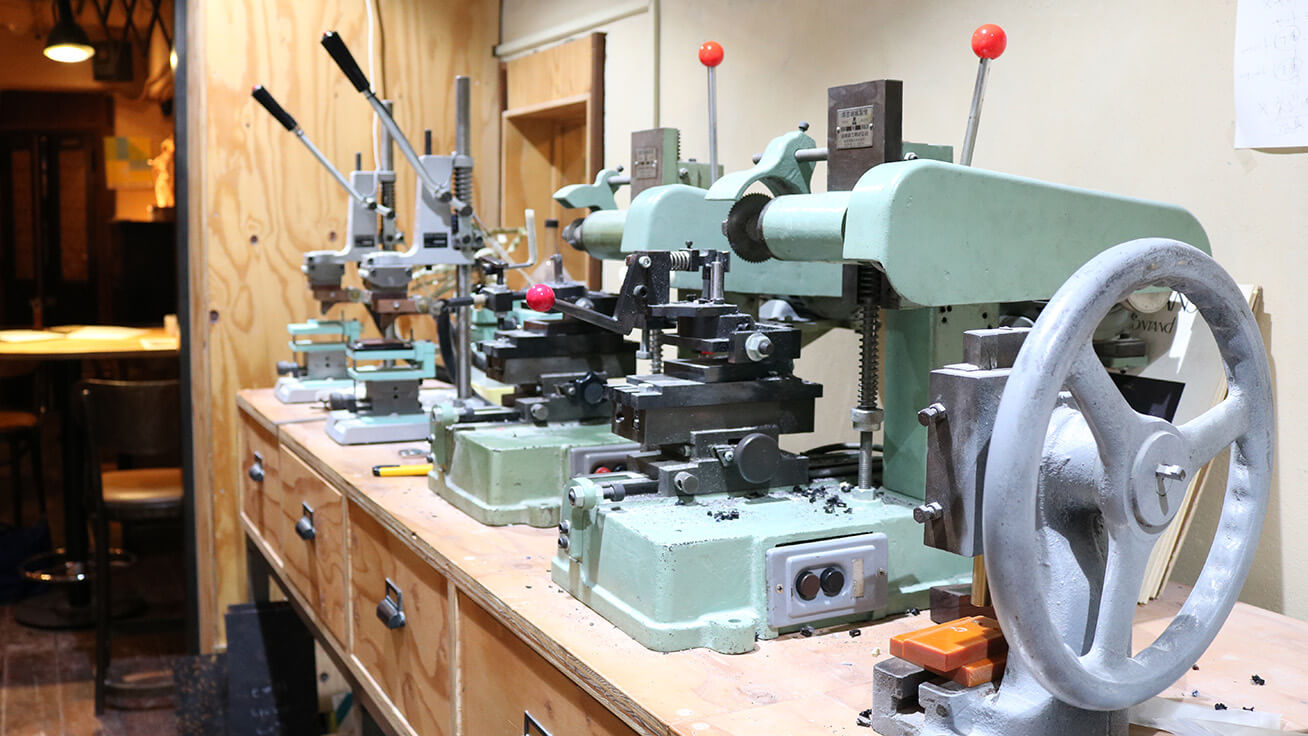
[[540, 298]]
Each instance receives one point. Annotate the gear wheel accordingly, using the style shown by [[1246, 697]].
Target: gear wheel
[[742, 228]]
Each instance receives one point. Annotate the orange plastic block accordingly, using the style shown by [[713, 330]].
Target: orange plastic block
[[979, 672], [949, 646]]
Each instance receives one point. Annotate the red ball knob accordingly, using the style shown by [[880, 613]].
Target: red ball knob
[[710, 53], [540, 298], [989, 41]]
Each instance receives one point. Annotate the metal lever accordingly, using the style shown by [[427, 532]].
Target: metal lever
[[710, 55], [988, 42], [265, 98], [530, 217], [531, 726], [391, 610], [331, 41], [256, 468], [304, 525]]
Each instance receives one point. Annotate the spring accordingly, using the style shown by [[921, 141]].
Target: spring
[[463, 183], [388, 194], [681, 260], [655, 351], [869, 324]]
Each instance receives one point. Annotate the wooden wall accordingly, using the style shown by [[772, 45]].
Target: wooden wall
[[258, 199]]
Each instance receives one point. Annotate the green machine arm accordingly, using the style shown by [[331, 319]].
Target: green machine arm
[[594, 197], [946, 234]]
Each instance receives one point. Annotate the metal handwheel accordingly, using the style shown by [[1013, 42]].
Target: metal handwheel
[[1138, 485]]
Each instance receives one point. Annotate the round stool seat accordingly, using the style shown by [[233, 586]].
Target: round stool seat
[[142, 493], [15, 420]]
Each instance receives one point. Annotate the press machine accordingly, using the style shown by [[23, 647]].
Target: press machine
[[503, 463], [934, 249]]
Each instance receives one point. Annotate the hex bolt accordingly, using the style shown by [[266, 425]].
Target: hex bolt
[[1170, 472], [685, 482], [931, 415], [758, 346], [928, 512], [575, 498], [564, 526], [539, 412], [563, 541]]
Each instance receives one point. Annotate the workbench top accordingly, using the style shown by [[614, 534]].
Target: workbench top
[[790, 685]]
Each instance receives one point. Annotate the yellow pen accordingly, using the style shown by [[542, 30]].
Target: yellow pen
[[396, 471]]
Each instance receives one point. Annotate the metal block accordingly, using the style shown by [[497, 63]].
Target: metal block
[[958, 441], [833, 577], [993, 348], [654, 155], [864, 129]]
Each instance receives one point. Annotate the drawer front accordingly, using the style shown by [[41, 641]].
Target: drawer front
[[261, 488], [502, 681], [411, 662], [313, 542]]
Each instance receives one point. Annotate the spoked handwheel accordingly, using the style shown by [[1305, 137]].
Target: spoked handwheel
[[1145, 461]]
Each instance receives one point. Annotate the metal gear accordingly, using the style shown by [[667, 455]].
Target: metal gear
[[742, 228]]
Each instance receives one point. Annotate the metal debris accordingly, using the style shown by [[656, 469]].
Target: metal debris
[[1257, 680], [865, 718], [806, 631], [1219, 706], [855, 632]]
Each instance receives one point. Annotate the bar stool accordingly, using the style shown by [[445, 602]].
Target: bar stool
[[134, 419], [21, 430]]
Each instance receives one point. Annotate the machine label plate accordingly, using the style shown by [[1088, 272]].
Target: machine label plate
[[854, 127], [646, 163]]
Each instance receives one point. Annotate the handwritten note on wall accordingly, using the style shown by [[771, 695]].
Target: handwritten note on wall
[[1271, 74]]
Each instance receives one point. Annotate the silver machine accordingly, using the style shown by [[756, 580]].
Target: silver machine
[[383, 399]]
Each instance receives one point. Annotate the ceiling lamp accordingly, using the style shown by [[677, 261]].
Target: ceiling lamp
[[67, 41]]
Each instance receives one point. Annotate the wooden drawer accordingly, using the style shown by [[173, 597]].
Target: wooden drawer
[[412, 663], [261, 488], [501, 679], [314, 556]]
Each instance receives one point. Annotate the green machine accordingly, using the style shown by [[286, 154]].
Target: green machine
[[714, 537]]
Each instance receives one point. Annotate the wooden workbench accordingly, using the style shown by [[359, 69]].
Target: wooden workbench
[[489, 636]]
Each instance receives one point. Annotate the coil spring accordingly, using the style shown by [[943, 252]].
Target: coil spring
[[869, 324], [680, 260], [463, 184], [388, 194], [655, 351]]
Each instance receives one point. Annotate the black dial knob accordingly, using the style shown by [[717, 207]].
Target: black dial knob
[[833, 581], [808, 585]]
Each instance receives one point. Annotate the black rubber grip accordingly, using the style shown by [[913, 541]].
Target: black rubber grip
[[274, 109], [331, 40]]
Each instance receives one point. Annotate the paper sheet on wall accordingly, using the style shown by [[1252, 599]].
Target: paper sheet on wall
[[1271, 74]]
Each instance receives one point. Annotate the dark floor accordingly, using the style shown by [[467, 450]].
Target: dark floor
[[46, 680]]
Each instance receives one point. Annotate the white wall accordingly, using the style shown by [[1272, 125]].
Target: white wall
[[1129, 97]]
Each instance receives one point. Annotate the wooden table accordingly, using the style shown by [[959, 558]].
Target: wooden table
[[498, 638], [65, 354]]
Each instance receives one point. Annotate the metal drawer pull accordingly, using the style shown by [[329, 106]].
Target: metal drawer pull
[[532, 727], [256, 468], [391, 610], [304, 526]]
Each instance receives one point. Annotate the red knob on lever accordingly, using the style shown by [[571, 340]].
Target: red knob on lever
[[710, 53], [989, 41], [540, 298]]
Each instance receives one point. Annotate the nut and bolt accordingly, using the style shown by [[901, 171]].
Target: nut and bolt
[[685, 482], [928, 512], [758, 346], [574, 498], [539, 412], [564, 541], [564, 526], [931, 415]]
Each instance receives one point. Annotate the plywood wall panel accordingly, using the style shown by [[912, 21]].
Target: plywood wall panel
[[262, 201]]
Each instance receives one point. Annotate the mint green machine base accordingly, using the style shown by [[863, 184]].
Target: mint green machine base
[[511, 473], [676, 576]]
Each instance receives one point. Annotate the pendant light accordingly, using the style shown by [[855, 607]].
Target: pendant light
[[67, 41]]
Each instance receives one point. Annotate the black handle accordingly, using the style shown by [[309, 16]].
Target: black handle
[[288, 368], [256, 468], [331, 40], [390, 610], [266, 99], [304, 526]]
